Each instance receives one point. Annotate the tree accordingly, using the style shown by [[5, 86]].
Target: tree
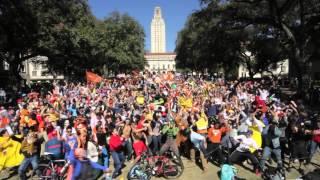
[[272, 30], [30, 28], [290, 23], [70, 36], [123, 42]]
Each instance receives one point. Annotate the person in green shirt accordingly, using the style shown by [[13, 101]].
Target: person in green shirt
[[170, 131]]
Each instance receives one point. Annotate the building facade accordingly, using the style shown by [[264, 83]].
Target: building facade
[[282, 69], [158, 60], [35, 69]]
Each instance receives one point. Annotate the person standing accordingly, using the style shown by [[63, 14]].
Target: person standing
[[116, 148], [30, 146], [271, 134]]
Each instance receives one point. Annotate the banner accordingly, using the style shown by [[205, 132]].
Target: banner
[[92, 77]]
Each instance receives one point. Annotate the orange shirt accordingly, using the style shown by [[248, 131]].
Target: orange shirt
[[4, 122], [216, 134]]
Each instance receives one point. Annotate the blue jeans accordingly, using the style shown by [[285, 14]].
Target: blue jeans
[[34, 160], [267, 153], [128, 146], [313, 148], [118, 160], [198, 141], [105, 157], [156, 140]]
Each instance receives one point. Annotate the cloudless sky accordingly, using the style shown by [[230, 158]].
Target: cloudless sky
[[174, 12]]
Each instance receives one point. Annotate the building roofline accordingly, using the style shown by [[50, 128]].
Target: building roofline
[[167, 53]]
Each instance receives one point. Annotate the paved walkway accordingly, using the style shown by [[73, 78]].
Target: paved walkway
[[193, 172]]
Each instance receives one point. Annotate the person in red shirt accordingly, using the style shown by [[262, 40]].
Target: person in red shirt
[[315, 140], [215, 134], [139, 148], [39, 120], [116, 143]]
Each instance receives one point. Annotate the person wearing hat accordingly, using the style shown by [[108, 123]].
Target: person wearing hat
[[246, 142], [271, 136]]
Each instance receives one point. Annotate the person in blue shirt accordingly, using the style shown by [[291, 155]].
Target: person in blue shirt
[[81, 167]]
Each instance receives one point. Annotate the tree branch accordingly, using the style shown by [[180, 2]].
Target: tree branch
[[248, 1], [28, 56], [287, 6]]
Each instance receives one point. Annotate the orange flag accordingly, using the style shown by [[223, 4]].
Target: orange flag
[[92, 77]]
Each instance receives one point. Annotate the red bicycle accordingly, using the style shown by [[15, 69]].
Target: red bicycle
[[159, 166], [53, 169]]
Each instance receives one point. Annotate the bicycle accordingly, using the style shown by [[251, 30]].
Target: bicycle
[[52, 169], [159, 166]]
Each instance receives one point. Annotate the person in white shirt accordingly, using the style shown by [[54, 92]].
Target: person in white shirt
[[243, 151]]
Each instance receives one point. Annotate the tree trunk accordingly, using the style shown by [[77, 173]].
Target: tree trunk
[[296, 63], [15, 72]]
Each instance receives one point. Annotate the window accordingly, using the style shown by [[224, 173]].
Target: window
[[168, 66], [154, 67], [44, 66], [35, 66], [34, 73], [163, 66], [43, 73]]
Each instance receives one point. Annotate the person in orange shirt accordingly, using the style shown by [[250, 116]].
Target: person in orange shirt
[[4, 122], [27, 121], [215, 133]]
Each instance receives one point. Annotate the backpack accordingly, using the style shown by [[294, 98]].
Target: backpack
[[228, 172]]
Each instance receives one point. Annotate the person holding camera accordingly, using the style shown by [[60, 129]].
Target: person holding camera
[[271, 134]]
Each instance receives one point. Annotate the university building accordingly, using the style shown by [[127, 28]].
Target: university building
[[158, 60]]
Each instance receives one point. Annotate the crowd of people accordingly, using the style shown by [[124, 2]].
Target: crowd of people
[[121, 118]]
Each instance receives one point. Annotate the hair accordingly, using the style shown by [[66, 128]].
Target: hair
[[194, 128], [2, 132]]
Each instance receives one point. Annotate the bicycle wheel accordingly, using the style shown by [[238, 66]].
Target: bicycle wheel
[[172, 171], [175, 158], [47, 173], [137, 172]]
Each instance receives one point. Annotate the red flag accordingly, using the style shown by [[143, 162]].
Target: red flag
[[92, 77]]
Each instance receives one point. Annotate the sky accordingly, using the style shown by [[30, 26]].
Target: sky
[[174, 12]]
